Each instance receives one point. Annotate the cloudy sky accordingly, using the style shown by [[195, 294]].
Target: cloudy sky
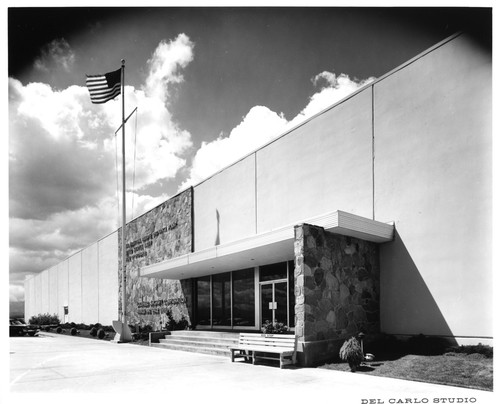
[[210, 85]]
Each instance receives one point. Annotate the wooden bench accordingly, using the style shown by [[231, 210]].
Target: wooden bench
[[261, 346]]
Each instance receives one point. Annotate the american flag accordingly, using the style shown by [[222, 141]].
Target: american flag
[[104, 87]]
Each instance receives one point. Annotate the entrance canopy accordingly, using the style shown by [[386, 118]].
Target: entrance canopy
[[272, 246]]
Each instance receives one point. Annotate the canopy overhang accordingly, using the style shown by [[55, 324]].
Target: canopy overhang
[[265, 248]]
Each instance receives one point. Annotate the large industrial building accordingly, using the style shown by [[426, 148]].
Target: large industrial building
[[374, 215]]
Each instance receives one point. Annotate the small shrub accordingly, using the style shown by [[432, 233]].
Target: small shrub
[[274, 328], [47, 328], [101, 333], [59, 329], [351, 353], [73, 331], [44, 319], [182, 324], [93, 331], [146, 329], [98, 325]]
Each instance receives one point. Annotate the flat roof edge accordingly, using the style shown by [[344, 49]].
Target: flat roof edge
[[338, 222]]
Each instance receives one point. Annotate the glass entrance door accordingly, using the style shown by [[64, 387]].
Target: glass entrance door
[[274, 302]]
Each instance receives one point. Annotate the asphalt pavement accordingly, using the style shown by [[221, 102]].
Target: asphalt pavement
[[60, 368]]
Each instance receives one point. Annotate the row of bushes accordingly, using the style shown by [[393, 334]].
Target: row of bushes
[[44, 319], [96, 330], [422, 345]]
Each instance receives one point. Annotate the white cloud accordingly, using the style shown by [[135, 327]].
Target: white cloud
[[337, 88], [166, 63], [16, 293], [261, 125], [62, 158], [57, 53], [329, 77]]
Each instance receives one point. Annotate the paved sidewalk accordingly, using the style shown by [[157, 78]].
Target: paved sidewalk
[[59, 367]]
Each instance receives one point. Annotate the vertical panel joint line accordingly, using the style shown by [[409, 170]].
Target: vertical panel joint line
[[373, 152], [255, 193]]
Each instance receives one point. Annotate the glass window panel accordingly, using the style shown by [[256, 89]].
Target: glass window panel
[[291, 291], [221, 299], [244, 298], [266, 296], [203, 301], [273, 272], [281, 302]]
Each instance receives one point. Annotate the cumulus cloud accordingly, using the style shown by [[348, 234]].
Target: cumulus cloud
[[333, 89], [166, 64], [57, 53], [63, 156], [16, 293], [262, 125], [259, 126]]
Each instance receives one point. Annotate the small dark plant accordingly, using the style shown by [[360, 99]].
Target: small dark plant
[[73, 331], [274, 328], [146, 329], [93, 331], [44, 319], [182, 324], [59, 329], [47, 328], [101, 333], [351, 353]]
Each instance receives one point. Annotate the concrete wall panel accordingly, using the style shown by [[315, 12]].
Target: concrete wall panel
[[62, 287], [45, 308], [75, 288], [108, 279], [322, 166], [30, 298], [224, 205], [433, 178], [90, 285], [38, 293], [53, 304]]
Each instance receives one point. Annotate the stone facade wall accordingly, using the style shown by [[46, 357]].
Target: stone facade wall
[[337, 289], [162, 233]]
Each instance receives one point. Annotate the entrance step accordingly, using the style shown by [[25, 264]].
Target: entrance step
[[206, 342]]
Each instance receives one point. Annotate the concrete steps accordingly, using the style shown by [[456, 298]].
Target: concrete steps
[[205, 342]]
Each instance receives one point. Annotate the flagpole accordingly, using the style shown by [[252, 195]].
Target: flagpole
[[124, 217], [123, 333]]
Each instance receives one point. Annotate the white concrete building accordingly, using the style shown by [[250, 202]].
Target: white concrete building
[[375, 215]]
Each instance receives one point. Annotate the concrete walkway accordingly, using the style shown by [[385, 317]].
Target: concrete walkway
[[60, 368]]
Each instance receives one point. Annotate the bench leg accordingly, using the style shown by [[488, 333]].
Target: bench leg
[[253, 358]]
